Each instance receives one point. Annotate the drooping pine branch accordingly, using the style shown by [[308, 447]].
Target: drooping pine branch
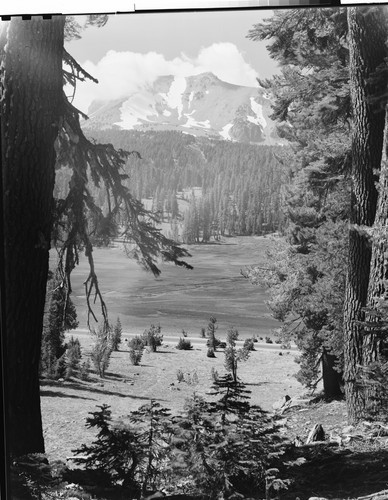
[[78, 218]]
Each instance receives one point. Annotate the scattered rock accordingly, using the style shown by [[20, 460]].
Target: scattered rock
[[281, 403], [316, 434]]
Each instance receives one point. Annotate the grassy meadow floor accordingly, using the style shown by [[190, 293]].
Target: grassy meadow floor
[[65, 405]]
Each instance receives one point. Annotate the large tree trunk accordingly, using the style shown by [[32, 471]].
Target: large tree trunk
[[30, 113], [367, 33], [379, 262]]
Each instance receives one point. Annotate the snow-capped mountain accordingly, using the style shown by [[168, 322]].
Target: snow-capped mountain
[[201, 105]]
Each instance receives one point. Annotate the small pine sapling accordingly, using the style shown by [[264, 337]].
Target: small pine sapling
[[232, 355], [135, 356], [84, 371], [73, 358], [211, 330], [115, 452], [101, 350], [116, 335], [153, 424]]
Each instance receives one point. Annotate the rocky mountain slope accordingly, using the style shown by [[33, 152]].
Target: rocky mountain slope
[[201, 105]]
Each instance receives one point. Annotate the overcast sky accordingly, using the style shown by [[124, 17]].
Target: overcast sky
[[133, 49]]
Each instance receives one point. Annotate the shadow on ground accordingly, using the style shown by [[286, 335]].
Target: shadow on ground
[[86, 387], [334, 472], [59, 394]]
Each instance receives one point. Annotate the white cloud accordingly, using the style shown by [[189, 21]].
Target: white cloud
[[122, 73]]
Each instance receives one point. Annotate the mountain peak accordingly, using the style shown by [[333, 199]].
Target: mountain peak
[[200, 105]]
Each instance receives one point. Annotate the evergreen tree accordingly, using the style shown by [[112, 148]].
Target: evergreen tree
[[60, 317], [116, 335]]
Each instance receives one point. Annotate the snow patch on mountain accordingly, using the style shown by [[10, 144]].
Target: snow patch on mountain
[[225, 131], [138, 107], [193, 123], [258, 110], [174, 96], [190, 99]]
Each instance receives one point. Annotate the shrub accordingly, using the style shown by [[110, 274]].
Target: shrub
[[184, 333], [153, 338], [101, 350], [214, 374], [184, 345], [210, 353], [249, 345], [268, 340], [192, 378], [116, 335], [84, 370], [135, 356], [136, 343], [180, 376]]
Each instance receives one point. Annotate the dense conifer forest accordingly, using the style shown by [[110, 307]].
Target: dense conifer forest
[[229, 188]]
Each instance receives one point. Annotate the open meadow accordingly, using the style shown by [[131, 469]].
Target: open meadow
[[179, 298]]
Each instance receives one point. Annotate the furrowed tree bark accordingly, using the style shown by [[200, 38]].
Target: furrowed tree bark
[[367, 33], [30, 114], [379, 261]]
